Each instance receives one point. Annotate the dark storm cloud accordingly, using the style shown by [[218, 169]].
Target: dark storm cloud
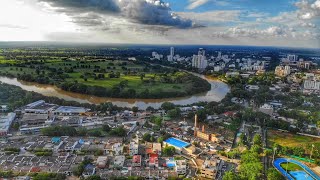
[[148, 12], [79, 6], [88, 19]]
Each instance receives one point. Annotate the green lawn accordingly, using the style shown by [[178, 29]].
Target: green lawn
[[133, 82], [175, 84], [290, 140], [291, 167]]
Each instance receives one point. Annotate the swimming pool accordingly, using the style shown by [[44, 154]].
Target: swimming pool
[[176, 142], [300, 175], [170, 163], [295, 175]]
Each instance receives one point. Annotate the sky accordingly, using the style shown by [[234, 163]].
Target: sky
[[290, 23]]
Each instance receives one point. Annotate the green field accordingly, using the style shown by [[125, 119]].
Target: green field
[[290, 140], [120, 78]]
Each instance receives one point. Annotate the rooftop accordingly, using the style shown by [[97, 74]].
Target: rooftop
[[70, 109], [177, 142], [136, 159]]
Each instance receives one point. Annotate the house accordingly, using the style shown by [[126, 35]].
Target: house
[[133, 148], [156, 148], [102, 162], [209, 169], [117, 149], [153, 160], [267, 109], [252, 87], [89, 170], [55, 140], [118, 161], [181, 166], [136, 161], [3, 108]]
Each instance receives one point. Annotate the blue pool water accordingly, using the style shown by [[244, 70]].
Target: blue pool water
[[170, 163], [300, 175], [307, 174], [177, 143]]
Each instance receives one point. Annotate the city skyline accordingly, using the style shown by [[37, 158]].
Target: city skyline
[[209, 22]]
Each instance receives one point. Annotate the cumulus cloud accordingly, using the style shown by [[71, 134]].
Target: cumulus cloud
[[154, 12], [196, 3], [149, 12], [308, 9], [212, 16], [308, 24]]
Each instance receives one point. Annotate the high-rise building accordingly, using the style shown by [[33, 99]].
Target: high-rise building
[[219, 55], [170, 57], [287, 70], [282, 71], [199, 61], [292, 57], [172, 51]]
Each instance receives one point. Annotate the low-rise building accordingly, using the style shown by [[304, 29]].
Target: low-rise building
[[133, 148], [136, 161], [102, 162], [3, 108], [70, 111], [181, 166], [5, 123], [209, 169], [156, 148], [267, 109], [153, 160], [118, 161], [33, 123]]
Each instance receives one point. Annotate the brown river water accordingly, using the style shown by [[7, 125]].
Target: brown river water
[[216, 93]]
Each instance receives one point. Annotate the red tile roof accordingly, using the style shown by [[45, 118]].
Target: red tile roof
[[35, 169], [153, 158], [136, 159]]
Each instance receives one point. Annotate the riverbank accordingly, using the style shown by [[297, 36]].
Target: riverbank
[[114, 79], [217, 92]]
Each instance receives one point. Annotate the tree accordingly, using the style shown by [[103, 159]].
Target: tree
[[119, 131], [257, 140], [250, 166], [93, 177], [174, 113], [160, 139], [95, 133], [230, 175], [167, 106], [169, 151], [151, 109], [202, 114], [273, 174], [135, 109], [146, 137], [251, 171], [106, 128]]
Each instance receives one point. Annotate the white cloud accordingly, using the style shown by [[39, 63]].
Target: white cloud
[[196, 3], [212, 16], [308, 9]]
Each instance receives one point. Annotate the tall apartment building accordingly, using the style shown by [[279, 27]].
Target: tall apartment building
[[199, 61], [282, 71]]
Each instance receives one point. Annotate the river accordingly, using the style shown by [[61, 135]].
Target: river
[[216, 93]]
